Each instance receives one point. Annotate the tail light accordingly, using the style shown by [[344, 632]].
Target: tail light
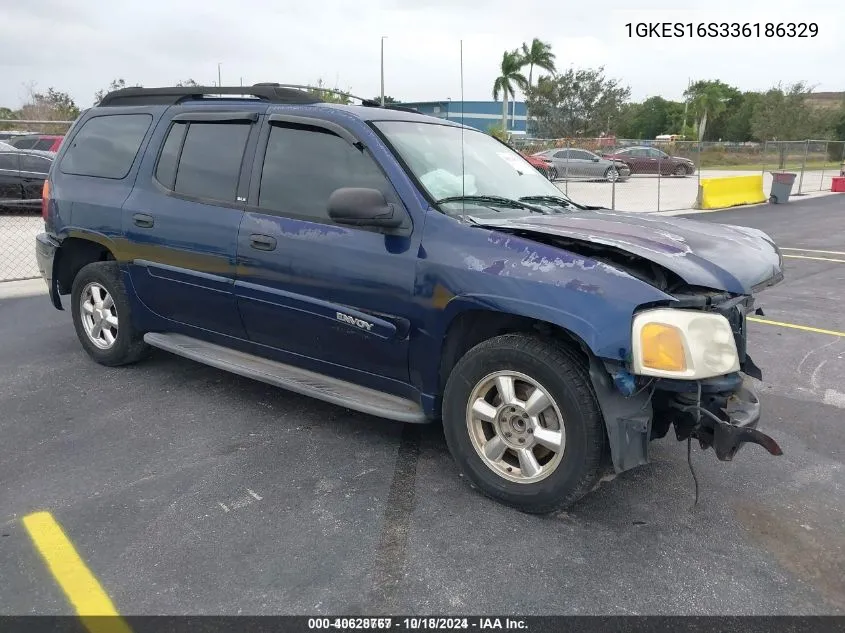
[[45, 199]]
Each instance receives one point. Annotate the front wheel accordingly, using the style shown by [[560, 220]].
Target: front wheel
[[522, 422], [611, 175], [680, 170]]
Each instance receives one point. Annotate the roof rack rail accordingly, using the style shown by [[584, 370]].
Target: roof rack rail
[[364, 102], [272, 93]]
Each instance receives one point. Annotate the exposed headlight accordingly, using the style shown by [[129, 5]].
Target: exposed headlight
[[686, 344]]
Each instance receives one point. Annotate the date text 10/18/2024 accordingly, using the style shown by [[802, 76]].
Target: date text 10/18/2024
[[670, 30], [418, 624]]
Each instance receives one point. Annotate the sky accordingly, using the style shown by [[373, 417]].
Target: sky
[[79, 46]]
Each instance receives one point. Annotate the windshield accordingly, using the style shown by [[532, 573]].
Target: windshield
[[490, 169]]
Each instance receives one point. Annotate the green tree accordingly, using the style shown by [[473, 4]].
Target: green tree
[[737, 124], [329, 95], [783, 113], [187, 83], [386, 99], [509, 77], [707, 99], [656, 116], [116, 84], [577, 103], [539, 54]]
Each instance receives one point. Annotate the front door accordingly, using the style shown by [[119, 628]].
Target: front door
[[334, 294], [182, 223]]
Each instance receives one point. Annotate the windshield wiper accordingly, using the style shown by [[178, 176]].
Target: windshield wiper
[[558, 200], [492, 200]]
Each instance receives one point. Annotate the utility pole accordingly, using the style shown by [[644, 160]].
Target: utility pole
[[219, 83], [383, 37]]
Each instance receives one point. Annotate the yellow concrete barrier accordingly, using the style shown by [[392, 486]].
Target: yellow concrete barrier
[[732, 191]]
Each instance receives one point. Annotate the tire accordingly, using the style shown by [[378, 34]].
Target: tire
[[680, 170], [123, 344], [611, 174], [563, 377]]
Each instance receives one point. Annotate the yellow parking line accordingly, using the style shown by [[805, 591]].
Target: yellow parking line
[[73, 576], [794, 326], [821, 259], [810, 250]]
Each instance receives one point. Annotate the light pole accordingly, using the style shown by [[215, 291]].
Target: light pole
[[219, 83], [383, 37]]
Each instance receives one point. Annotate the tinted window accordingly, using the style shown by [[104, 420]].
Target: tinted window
[[166, 169], [106, 146], [304, 166], [562, 154], [43, 144], [24, 143], [9, 161], [656, 153], [35, 164], [579, 155], [210, 163]]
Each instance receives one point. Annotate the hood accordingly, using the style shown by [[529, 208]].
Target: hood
[[733, 259]]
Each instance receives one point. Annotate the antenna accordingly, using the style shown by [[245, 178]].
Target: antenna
[[463, 168]]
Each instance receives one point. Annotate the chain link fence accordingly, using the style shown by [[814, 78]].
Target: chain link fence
[[665, 174], [20, 201]]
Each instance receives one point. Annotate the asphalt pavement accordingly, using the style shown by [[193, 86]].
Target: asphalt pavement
[[187, 490]]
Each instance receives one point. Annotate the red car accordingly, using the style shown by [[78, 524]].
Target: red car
[[647, 160], [543, 165], [43, 142]]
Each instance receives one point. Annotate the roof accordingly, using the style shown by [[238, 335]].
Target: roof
[[375, 113]]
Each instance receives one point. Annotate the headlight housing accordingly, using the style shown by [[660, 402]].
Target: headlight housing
[[685, 344]]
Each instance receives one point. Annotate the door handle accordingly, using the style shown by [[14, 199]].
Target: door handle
[[262, 242], [143, 220]]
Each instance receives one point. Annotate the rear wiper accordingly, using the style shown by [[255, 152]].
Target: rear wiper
[[558, 200], [492, 200]]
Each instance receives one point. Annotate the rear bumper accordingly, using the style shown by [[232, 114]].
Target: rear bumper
[[46, 249]]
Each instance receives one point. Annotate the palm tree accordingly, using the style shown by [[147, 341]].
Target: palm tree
[[539, 54], [510, 76], [707, 99]]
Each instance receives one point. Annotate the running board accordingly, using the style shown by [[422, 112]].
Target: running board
[[307, 383]]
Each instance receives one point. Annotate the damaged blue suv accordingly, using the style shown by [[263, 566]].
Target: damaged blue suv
[[409, 268]]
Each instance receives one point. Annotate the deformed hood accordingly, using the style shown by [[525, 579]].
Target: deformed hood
[[734, 259]]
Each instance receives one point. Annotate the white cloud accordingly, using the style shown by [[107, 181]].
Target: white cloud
[[83, 46]]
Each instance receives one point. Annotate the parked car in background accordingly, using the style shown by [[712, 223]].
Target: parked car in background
[[544, 165], [650, 160], [579, 163], [5, 147], [43, 142], [22, 176], [5, 135]]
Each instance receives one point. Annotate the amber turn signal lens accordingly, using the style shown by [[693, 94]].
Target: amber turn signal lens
[[662, 347]]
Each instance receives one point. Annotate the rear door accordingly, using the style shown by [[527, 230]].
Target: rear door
[[34, 170], [11, 191], [337, 294], [181, 220]]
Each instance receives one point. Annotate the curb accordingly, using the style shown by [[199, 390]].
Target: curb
[[22, 288], [806, 196]]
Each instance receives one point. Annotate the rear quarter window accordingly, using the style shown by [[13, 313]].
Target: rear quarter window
[[106, 146]]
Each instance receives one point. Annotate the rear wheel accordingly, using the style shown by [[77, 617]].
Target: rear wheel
[[522, 422], [101, 316]]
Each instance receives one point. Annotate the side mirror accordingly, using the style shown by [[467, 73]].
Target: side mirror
[[363, 207]]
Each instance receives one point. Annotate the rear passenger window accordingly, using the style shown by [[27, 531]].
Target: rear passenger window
[[304, 166], [209, 164], [35, 164], [106, 146], [43, 144], [26, 143]]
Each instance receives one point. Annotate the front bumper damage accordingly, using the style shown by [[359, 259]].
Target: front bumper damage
[[719, 418], [721, 413]]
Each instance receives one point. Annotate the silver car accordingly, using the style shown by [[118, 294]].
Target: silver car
[[579, 164]]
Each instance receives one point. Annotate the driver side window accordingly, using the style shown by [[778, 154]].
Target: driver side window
[[303, 166]]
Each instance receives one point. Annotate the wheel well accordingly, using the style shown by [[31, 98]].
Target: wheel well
[[472, 327], [73, 255]]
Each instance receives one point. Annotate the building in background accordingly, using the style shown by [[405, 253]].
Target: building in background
[[481, 115]]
